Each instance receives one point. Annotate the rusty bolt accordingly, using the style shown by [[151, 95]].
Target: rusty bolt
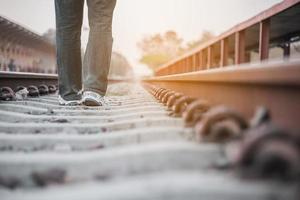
[[167, 96], [162, 94], [220, 124], [194, 112], [181, 104], [159, 91], [43, 89], [270, 152], [20, 88], [52, 89], [156, 91], [172, 99], [33, 91], [7, 94], [153, 88], [277, 159]]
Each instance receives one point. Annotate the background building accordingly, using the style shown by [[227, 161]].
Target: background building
[[22, 50]]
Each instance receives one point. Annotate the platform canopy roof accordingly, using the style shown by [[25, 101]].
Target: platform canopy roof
[[11, 32]]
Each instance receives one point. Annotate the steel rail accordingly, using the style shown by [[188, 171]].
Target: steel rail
[[14, 79], [273, 85]]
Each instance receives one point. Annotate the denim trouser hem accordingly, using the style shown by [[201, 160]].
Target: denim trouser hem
[[95, 90]]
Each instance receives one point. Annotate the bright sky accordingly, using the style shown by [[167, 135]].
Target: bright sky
[[135, 19]]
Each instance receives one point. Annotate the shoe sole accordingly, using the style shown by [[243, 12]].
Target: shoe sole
[[91, 102], [69, 104]]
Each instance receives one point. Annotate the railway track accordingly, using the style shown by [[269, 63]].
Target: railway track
[[198, 129], [147, 143]]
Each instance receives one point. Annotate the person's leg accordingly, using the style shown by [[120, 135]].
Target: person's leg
[[98, 53], [69, 15]]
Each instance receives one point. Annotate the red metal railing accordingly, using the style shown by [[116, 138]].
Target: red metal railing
[[233, 47]]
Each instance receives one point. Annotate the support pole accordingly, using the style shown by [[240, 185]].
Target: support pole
[[210, 57], [240, 47], [264, 39], [224, 52]]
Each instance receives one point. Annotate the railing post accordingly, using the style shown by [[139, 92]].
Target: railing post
[[240, 47], [224, 52], [194, 62], [200, 67], [286, 50], [189, 64], [210, 57], [181, 66], [264, 39], [204, 59]]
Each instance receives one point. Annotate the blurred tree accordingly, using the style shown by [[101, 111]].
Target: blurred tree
[[160, 48], [205, 36], [120, 67]]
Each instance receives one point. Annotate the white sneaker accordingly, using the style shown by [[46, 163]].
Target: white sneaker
[[90, 98], [63, 102]]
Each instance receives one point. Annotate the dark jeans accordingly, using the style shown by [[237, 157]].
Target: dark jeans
[[96, 63]]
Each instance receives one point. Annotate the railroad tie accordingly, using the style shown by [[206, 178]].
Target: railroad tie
[[156, 145]]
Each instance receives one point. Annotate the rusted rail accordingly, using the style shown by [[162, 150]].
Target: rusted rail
[[273, 85]]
